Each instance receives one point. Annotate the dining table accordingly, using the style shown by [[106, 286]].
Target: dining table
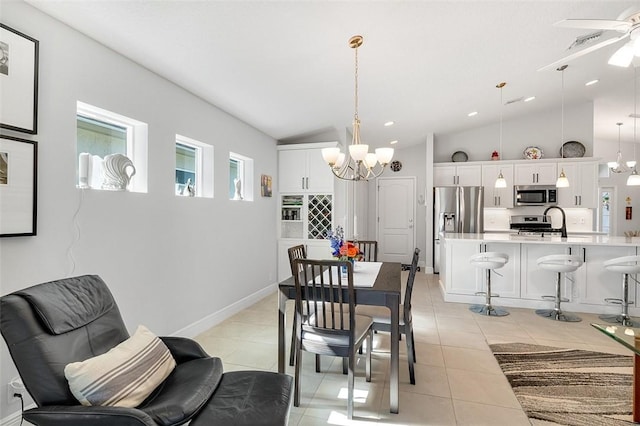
[[386, 291], [629, 337]]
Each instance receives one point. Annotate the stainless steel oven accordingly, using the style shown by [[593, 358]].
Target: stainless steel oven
[[535, 195]]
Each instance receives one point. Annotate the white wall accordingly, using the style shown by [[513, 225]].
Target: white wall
[[170, 262], [621, 192], [541, 129]]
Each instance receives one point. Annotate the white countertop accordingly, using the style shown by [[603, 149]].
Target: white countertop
[[527, 239]]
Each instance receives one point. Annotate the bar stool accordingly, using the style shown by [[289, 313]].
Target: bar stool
[[488, 261], [625, 265], [560, 263]]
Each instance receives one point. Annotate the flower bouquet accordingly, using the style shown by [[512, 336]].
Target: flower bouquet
[[341, 249]]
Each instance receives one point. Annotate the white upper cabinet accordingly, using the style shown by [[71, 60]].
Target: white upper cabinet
[[535, 173], [497, 197], [583, 181], [453, 175], [303, 170]]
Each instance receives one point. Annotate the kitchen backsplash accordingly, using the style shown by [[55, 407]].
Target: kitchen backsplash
[[578, 220]]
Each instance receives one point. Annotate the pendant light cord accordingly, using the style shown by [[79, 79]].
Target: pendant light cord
[[635, 110], [501, 114], [562, 114]]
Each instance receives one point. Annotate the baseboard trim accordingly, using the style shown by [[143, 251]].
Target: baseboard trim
[[215, 318], [14, 418]]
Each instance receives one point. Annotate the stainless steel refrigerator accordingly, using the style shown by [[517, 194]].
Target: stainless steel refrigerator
[[458, 209]]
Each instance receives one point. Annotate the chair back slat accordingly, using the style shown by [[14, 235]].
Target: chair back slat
[[296, 252], [321, 288], [409, 290], [368, 249]]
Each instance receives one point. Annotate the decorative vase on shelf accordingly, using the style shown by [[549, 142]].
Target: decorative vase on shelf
[[117, 170], [495, 155]]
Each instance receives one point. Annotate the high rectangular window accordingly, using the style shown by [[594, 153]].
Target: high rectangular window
[[240, 177], [186, 169], [194, 168], [99, 133]]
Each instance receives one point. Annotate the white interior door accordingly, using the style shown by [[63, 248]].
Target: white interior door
[[396, 231]]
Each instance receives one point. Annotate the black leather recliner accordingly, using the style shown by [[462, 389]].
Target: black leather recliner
[[50, 325]]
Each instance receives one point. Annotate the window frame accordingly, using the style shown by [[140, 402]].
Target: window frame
[[245, 171], [136, 144]]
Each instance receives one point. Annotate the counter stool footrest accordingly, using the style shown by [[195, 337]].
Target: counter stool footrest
[[553, 298], [484, 293]]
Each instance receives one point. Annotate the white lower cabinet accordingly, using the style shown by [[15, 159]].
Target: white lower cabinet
[[595, 282], [507, 284], [538, 282], [465, 279]]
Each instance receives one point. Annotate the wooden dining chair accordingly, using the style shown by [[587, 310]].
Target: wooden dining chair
[[382, 319], [368, 249], [295, 252], [334, 328]]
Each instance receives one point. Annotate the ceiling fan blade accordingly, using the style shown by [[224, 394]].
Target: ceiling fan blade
[[582, 52], [623, 56], [595, 24]]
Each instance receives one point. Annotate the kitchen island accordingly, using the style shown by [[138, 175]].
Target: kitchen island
[[522, 284]]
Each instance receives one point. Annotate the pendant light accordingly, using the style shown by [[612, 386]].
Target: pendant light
[[634, 177], [618, 166], [357, 163], [501, 182], [562, 181]]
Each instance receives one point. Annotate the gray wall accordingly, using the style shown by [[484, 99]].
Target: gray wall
[[173, 264]]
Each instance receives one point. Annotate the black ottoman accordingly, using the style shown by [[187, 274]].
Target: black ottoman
[[250, 398]]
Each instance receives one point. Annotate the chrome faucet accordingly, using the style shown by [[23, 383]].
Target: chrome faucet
[[563, 229]]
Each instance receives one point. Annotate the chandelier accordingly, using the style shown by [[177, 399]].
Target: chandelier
[[359, 164]]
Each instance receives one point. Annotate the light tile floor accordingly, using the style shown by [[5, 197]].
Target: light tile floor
[[458, 381]]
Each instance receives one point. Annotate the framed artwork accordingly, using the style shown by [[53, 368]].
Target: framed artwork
[[18, 186], [265, 186], [18, 81]]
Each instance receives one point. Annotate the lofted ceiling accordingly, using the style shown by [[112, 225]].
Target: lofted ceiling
[[285, 67]]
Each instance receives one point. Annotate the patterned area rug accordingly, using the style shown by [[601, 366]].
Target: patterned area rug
[[568, 386]]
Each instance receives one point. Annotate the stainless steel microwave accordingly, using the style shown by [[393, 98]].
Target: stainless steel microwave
[[535, 195]]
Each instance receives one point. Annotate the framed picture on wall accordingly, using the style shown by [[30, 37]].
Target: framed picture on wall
[[18, 81], [18, 186], [265, 186]]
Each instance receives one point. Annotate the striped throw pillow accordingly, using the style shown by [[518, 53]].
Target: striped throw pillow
[[125, 375]]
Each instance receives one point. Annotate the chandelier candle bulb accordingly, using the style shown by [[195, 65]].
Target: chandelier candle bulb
[[330, 155], [384, 155], [358, 152], [370, 160]]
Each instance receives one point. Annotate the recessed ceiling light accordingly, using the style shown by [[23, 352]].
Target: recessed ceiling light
[[389, 123], [529, 99], [472, 114], [592, 82], [393, 142]]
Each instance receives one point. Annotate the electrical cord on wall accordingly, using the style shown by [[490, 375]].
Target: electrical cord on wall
[[76, 235], [19, 395]]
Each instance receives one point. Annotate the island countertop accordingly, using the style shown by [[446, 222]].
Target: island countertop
[[585, 240]]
